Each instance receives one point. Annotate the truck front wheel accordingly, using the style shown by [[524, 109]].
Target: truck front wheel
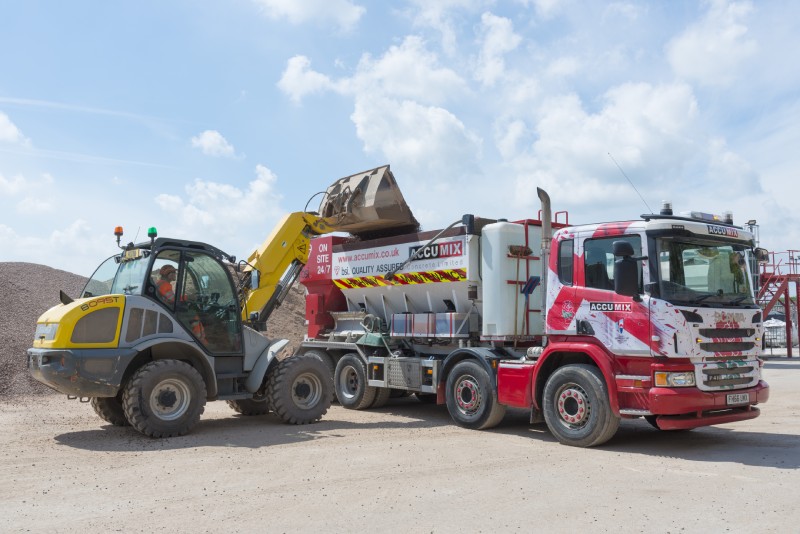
[[350, 381], [300, 389], [164, 398], [576, 406], [471, 399]]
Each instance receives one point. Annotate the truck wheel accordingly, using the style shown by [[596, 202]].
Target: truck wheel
[[381, 397], [109, 409], [300, 389], [576, 406], [471, 399], [164, 398], [350, 381], [258, 405]]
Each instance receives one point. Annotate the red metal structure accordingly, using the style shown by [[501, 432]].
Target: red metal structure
[[775, 279]]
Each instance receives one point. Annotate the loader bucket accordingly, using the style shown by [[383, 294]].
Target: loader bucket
[[368, 204]]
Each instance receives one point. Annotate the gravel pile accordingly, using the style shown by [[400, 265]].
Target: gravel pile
[[27, 290]]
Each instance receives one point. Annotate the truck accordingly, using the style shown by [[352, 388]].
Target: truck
[[165, 325], [581, 325]]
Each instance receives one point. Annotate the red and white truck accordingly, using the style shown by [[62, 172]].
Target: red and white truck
[[582, 325]]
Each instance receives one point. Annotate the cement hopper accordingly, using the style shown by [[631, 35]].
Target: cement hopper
[[368, 205]]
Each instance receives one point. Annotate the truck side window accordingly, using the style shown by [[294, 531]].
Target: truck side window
[[598, 260], [566, 250]]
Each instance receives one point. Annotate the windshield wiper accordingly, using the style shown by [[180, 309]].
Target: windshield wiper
[[701, 298], [737, 300], [128, 289]]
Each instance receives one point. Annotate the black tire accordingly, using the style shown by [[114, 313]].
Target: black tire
[[576, 406], [300, 389], [164, 398], [381, 397], [426, 398], [258, 405], [109, 409], [471, 399], [325, 357], [350, 382]]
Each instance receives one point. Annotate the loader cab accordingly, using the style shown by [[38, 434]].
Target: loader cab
[[197, 288]]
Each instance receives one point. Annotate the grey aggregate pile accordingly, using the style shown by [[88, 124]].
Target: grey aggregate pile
[[26, 291]]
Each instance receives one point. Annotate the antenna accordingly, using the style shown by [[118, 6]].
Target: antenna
[[629, 181]]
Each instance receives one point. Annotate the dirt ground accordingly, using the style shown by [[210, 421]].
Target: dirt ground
[[402, 468]]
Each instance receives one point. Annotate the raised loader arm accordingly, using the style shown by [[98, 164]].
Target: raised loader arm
[[279, 260]]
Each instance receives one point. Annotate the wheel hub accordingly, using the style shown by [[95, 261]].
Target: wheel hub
[[306, 391], [468, 396], [573, 405], [349, 382], [170, 399]]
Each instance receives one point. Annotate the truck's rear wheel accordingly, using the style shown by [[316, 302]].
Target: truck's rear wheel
[[576, 406], [300, 389], [471, 399], [381, 397], [164, 398], [109, 409], [350, 381]]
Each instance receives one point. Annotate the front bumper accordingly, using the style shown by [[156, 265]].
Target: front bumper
[[82, 373], [683, 408]]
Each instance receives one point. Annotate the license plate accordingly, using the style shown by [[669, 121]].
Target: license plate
[[739, 398]]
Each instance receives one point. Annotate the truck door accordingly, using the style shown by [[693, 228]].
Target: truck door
[[619, 323]]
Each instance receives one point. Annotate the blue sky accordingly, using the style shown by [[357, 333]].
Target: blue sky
[[210, 120]]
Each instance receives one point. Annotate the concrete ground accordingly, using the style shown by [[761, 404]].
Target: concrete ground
[[404, 468]]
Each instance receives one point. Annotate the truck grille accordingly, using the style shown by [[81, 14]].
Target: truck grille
[[729, 374], [727, 346], [727, 332]]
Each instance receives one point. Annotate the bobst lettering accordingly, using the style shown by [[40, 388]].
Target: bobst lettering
[[722, 230], [96, 302], [438, 250], [610, 306]]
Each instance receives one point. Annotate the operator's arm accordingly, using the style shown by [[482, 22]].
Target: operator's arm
[[279, 260]]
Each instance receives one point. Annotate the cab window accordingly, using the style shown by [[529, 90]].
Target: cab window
[[598, 260]]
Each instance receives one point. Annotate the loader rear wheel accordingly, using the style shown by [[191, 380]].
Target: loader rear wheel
[[258, 405], [350, 381], [164, 398], [300, 389], [109, 409], [471, 399], [576, 406]]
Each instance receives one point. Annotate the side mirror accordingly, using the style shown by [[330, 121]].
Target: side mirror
[[762, 255], [255, 276], [622, 248], [626, 274]]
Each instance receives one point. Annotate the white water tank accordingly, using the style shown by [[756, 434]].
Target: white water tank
[[503, 304]]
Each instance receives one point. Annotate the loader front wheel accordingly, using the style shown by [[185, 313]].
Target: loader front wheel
[[300, 389], [164, 398], [109, 409]]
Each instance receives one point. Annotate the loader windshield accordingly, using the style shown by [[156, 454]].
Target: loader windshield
[[118, 275], [703, 274]]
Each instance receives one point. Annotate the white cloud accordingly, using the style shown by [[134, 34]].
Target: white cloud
[[36, 194], [12, 186], [428, 140], [342, 13], [546, 9], [9, 133], [441, 16], [498, 38], [211, 211], [298, 80], [712, 50], [212, 143]]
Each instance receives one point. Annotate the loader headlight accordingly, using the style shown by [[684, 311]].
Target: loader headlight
[[46, 331], [683, 379]]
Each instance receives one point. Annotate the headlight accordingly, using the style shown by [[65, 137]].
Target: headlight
[[46, 331], [682, 379]]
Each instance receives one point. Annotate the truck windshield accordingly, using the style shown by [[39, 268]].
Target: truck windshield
[[695, 273], [118, 275]]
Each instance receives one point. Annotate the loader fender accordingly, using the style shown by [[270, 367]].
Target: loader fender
[[256, 377]]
